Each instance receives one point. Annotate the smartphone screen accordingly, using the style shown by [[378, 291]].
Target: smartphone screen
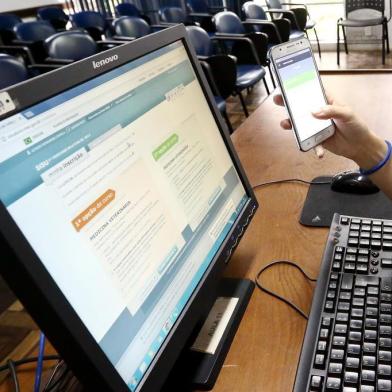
[[303, 92]]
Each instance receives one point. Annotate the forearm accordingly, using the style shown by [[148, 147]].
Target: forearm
[[372, 153]]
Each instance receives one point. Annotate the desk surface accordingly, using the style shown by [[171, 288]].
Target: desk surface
[[265, 351]]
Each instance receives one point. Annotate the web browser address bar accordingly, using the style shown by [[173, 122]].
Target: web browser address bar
[[99, 96]]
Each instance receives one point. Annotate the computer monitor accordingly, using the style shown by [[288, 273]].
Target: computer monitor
[[121, 201]]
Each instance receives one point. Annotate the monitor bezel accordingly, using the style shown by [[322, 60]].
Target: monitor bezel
[[26, 274]]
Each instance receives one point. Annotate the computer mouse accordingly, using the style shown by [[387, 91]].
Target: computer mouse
[[353, 182]]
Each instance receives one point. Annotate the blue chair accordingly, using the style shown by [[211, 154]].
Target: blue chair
[[220, 101], [128, 9], [172, 15], [12, 71], [7, 24], [93, 22], [298, 15], [201, 12], [129, 28], [32, 35], [54, 15], [68, 46], [249, 47], [278, 30], [224, 68]]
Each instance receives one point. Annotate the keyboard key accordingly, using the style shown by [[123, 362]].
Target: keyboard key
[[319, 361], [364, 281], [372, 301], [384, 371], [339, 341], [354, 349], [356, 324], [343, 306], [316, 383], [368, 376], [350, 377], [385, 319], [369, 361], [352, 363], [373, 290], [359, 292], [326, 322], [385, 330], [386, 263], [350, 389], [324, 333], [370, 323], [349, 267], [386, 308], [340, 329], [355, 337], [386, 297], [384, 385], [386, 284], [384, 356], [384, 343], [333, 384], [359, 302], [337, 355], [342, 317], [345, 295], [369, 348], [366, 388], [321, 346], [370, 335], [357, 313], [371, 312], [335, 368]]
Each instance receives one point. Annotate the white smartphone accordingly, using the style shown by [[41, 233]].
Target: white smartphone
[[302, 90]]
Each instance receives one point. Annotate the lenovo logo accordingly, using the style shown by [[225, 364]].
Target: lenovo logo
[[101, 63]]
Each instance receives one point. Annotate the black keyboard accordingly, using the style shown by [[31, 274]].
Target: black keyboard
[[347, 344]]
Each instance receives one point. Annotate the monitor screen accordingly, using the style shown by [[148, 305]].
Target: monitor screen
[[125, 189]]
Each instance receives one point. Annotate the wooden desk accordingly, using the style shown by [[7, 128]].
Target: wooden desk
[[265, 352], [266, 349]]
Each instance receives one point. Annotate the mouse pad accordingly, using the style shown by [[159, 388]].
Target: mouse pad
[[321, 203]]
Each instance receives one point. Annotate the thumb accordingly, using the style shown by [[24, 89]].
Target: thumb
[[333, 112]]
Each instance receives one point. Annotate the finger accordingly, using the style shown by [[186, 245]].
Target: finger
[[333, 111], [278, 99], [319, 151], [330, 98], [286, 124]]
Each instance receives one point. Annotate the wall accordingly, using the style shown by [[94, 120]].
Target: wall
[[12, 5]]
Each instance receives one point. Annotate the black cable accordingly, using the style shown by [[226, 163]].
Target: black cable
[[12, 368], [291, 180], [29, 360], [269, 292]]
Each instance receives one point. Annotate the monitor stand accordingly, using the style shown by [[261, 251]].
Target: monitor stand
[[198, 369]]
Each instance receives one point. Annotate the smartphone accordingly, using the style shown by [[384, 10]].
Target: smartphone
[[302, 90]]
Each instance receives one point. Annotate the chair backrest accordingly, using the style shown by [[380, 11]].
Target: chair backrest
[[200, 6], [12, 71], [229, 23], [88, 19], [127, 9], [71, 45], [54, 15], [172, 15], [355, 5], [253, 11], [34, 31], [130, 26], [7, 24], [200, 40], [273, 4]]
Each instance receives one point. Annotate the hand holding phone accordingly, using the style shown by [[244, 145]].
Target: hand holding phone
[[302, 91]]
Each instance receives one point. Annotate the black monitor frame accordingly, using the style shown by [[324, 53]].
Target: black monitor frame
[[30, 281]]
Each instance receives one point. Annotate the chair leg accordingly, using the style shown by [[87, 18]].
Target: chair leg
[[229, 126], [272, 76], [387, 35], [338, 44], [345, 40], [383, 48], [266, 86], [318, 43], [243, 103]]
